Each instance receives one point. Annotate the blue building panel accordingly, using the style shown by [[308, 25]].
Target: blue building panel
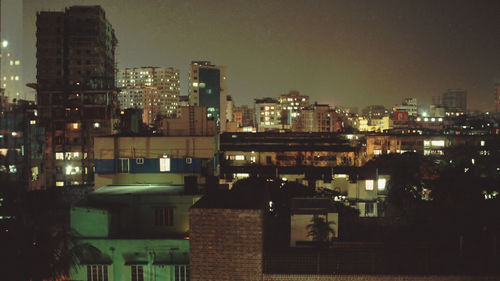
[[144, 165], [149, 165], [104, 166]]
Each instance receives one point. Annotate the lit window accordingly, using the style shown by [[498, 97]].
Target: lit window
[[195, 84], [11, 63], [381, 184], [32, 122], [16, 78], [34, 173], [483, 143], [59, 183], [75, 125], [240, 157], [369, 185], [70, 170], [96, 125], [12, 169], [137, 273], [59, 155], [377, 151], [437, 143], [164, 164]]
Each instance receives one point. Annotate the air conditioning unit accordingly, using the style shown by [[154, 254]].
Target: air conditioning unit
[[189, 160], [139, 161]]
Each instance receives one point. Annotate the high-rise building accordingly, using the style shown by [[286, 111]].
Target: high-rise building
[[455, 101], [76, 90], [11, 34], [291, 105], [161, 83], [207, 87], [229, 108]]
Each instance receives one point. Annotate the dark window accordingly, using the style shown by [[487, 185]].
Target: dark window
[[269, 160], [137, 273], [181, 272], [164, 216], [369, 208], [123, 165], [97, 273]]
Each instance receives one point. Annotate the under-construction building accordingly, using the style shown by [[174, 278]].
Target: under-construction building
[[76, 90]]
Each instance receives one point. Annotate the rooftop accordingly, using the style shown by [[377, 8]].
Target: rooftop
[[141, 189]]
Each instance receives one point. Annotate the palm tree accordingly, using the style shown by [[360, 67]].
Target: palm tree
[[322, 234]]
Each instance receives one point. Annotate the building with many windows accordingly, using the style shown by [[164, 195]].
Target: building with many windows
[[11, 46], [268, 115], [154, 89], [207, 87], [76, 92], [291, 105], [22, 143]]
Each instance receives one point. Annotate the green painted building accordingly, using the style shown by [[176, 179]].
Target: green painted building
[[141, 231]]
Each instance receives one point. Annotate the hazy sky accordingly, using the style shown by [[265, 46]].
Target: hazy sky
[[351, 53]]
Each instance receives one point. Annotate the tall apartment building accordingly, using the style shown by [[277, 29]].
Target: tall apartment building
[[292, 103], [267, 114], [76, 90], [156, 90], [11, 35], [455, 101], [207, 87]]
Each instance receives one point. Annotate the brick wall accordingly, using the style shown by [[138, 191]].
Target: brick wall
[[298, 277], [226, 244]]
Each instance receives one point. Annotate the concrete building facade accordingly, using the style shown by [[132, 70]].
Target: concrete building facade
[[155, 159], [207, 87], [268, 115], [192, 121], [76, 91], [292, 103], [140, 231]]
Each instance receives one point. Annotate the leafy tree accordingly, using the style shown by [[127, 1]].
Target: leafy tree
[[322, 234], [36, 237], [320, 231]]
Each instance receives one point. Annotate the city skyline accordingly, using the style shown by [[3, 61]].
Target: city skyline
[[353, 53]]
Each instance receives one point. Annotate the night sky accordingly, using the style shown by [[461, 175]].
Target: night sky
[[351, 53]]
